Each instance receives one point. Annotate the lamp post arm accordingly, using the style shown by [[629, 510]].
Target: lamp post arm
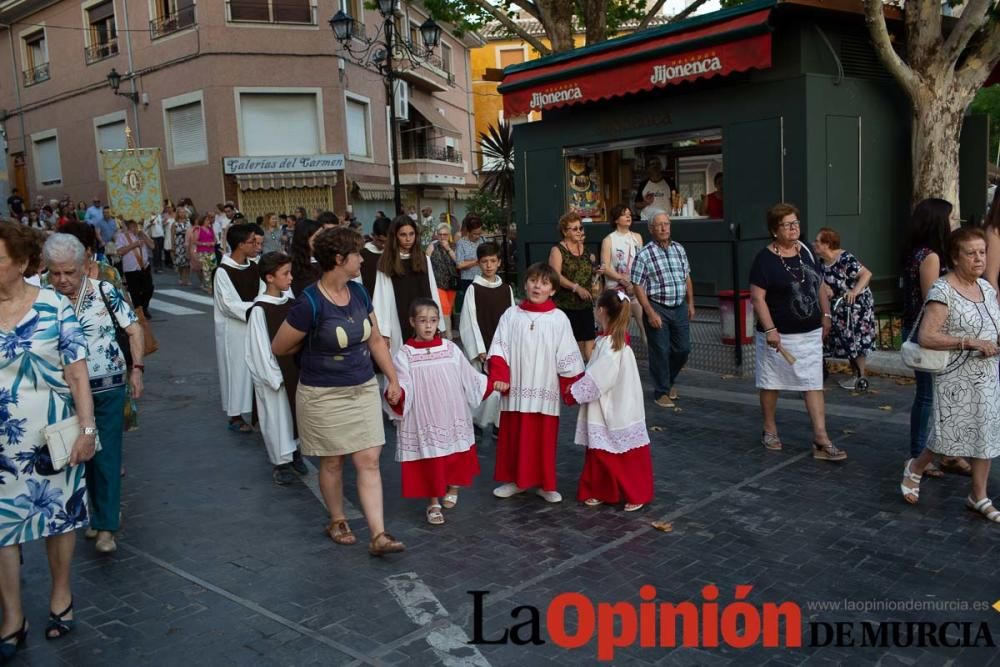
[[390, 83]]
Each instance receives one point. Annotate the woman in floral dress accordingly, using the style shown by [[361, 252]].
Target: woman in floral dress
[[852, 335], [181, 228], [43, 379]]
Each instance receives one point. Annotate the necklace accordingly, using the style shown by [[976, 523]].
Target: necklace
[[533, 320], [342, 309], [801, 270]]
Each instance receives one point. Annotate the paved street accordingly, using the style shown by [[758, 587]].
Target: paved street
[[219, 566]]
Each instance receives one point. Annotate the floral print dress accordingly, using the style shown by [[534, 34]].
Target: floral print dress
[[852, 334], [35, 501]]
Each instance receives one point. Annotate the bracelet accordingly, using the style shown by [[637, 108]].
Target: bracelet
[[961, 344], [827, 315], [140, 367], [767, 331]]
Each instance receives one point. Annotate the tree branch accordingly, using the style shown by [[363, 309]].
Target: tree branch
[[983, 56], [687, 11], [528, 6], [923, 32], [512, 25], [875, 17], [972, 19], [653, 11]]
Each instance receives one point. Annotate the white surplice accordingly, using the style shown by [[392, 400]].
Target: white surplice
[[488, 413], [230, 316], [612, 417], [440, 389], [273, 408], [539, 348], [384, 305]]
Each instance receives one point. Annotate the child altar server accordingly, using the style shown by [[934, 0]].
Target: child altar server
[[486, 300], [435, 442], [274, 378], [532, 361], [612, 422]]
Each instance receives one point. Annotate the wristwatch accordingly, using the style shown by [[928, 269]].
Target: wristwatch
[[827, 315], [89, 430]]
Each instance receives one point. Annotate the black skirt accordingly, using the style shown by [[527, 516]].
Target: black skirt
[[582, 321]]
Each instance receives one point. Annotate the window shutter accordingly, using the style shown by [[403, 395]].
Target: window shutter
[[279, 124], [111, 136], [101, 12], [188, 143], [357, 128], [47, 161]]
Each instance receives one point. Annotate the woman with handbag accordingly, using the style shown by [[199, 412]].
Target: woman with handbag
[[443, 264], [43, 381], [100, 308], [962, 316], [576, 269]]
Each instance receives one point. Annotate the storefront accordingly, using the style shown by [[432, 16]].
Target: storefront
[[787, 100], [279, 184]]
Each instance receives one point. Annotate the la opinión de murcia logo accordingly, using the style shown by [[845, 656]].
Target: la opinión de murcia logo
[[545, 99], [668, 73], [573, 620]]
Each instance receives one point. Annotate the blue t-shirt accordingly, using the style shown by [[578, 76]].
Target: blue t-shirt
[[335, 351]]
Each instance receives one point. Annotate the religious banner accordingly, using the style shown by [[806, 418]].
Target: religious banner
[[135, 190]]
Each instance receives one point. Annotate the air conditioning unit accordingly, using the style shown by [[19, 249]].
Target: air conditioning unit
[[402, 97]]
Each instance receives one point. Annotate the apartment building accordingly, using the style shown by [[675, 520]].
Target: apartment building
[[250, 101]]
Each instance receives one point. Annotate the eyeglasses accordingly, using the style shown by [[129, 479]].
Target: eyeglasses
[[574, 229], [790, 224]]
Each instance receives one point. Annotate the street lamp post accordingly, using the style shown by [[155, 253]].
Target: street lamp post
[[377, 54]]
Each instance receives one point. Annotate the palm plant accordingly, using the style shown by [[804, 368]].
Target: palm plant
[[497, 149]]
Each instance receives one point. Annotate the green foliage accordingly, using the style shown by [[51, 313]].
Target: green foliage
[[732, 3], [987, 102], [497, 148], [488, 208]]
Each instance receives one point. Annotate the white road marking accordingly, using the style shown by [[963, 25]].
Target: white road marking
[[172, 309], [187, 296], [450, 643], [312, 481]]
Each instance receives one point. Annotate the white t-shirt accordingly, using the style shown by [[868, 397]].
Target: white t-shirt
[[661, 198]]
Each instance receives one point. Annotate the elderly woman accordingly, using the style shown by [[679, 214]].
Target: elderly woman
[[793, 317], [101, 310], [445, 271], [852, 335], [961, 315], [337, 402], [43, 380], [576, 273]]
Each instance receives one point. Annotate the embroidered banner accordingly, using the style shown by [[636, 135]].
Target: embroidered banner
[[135, 186]]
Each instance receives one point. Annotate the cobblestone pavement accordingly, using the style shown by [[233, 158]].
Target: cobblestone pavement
[[218, 566]]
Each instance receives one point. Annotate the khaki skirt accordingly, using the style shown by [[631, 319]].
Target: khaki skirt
[[334, 421]]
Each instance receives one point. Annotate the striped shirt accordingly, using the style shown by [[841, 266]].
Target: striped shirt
[[662, 273]]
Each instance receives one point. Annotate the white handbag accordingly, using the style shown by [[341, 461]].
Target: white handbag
[[59, 438], [920, 358]]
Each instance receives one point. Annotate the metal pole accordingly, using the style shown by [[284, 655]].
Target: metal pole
[[390, 79], [131, 71], [734, 257]]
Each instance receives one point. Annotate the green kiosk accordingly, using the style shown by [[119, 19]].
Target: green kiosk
[[787, 99]]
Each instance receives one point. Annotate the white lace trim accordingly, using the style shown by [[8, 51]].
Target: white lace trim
[[585, 390], [618, 441], [430, 441], [572, 361]]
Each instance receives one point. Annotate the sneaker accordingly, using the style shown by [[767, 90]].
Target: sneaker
[[673, 394], [299, 464], [664, 402], [283, 475], [550, 496], [507, 490], [849, 385]]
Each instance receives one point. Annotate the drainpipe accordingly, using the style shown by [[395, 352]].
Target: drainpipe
[[17, 88], [132, 76]]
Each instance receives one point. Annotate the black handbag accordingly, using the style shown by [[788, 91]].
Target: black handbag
[[121, 337]]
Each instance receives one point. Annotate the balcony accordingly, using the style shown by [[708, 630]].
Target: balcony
[[431, 152], [36, 75], [98, 52], [270, 11], [429, 75], [180, 20]]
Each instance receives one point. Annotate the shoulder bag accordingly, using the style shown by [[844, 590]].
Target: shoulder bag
[[121, 336], [920, 358]]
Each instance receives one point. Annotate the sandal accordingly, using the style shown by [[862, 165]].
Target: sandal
[[593, 502], [984, 507], [8, 648], [434, 515], [383, 544], [828, 452], [770, 441], [910, 494], [956, 466], [932, 470], [450, 499], [634, 507], [240, 426], [340, 532], [58, 627]]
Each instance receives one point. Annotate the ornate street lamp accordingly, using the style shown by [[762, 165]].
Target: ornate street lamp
[[115, 81], [378, 53]]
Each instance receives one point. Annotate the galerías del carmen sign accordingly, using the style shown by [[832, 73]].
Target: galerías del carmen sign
[[277, 164]]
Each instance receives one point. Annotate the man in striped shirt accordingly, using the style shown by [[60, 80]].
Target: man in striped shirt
[[662, 279]]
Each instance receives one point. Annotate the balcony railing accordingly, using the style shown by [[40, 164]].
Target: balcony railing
[[430, 62], [275, 11], [36, 75], [431, 152], [97, 52], [179, 20]]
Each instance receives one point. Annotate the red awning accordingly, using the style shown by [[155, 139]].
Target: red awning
[[715, 49]]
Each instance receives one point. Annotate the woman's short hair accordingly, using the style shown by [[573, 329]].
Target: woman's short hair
[[23, 244], [567, 219], [776, 214], [542, 271], [444, 226], [471, 221], [829, 237], [616, 212], [961, 236], [334, 241], [64, 248]]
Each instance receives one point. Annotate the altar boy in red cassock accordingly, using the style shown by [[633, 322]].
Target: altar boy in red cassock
[[532, 361]]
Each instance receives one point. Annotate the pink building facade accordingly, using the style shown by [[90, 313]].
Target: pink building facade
[[216, 81]]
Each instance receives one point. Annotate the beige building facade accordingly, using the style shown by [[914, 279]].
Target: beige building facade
[[249, 100]]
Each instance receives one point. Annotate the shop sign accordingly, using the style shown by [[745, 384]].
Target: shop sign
[[548, 98], [278, 164], [697, 66]]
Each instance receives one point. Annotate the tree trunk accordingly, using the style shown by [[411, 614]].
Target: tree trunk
[[937, 126], [557, 19], [595, 18]]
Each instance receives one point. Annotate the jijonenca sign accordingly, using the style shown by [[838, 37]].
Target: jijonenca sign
[[545, 99], [282, 163], [667, 73]]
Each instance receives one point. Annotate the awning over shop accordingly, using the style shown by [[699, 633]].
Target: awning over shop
[[717, 44], [373, 191], [281, 181], [449, 193], [433, 116]]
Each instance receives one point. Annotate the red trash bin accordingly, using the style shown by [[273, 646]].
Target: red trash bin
[[736, 321]]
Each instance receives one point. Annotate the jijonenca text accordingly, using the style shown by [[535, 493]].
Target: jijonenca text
[[706, 624], [542, 100], [667, 73]]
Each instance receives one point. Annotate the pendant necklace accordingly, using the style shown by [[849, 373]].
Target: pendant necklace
[[802, 272], [342, 309], [533, 320]]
